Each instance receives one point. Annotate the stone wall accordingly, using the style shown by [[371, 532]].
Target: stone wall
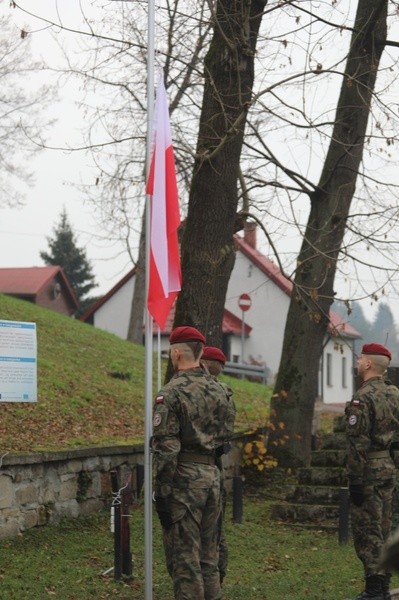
[[43, 487]]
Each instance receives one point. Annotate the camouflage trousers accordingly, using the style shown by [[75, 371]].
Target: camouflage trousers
[[371, 525], [191, 544]]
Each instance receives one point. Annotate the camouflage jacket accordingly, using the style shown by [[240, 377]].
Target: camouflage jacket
[[192, 413], [372, 421]]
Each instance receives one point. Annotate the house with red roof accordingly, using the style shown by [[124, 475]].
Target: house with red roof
[[112, 313], [45, 286], [255, 335], [255, 275]]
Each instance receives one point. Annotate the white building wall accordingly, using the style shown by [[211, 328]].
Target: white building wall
[[235, 348], [114, 315], [337, 372], [266, 316]]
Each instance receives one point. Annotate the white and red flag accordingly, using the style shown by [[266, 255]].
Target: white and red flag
[[165, 272]]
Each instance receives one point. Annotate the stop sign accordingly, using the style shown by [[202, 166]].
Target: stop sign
[[244, 302]]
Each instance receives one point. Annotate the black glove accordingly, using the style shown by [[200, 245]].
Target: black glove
[[223, 449], [356, 493], [163, 510]]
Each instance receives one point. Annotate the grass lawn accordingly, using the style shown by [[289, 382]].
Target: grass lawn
[[268, 561]]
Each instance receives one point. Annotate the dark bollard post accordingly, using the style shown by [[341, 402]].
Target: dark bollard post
[[126, 555], [343, 523], [139, 479], [237, 499], [116, 504]]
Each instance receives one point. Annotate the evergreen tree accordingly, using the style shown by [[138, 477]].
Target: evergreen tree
[[383, 328], [65, 253], [355, 317]]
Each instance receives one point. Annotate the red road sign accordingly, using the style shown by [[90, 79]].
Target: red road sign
[[244, 302]]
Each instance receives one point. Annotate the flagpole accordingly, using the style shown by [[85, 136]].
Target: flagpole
[[148, 320]]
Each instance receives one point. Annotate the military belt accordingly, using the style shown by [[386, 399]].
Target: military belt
[[194, 457], [379, 454]]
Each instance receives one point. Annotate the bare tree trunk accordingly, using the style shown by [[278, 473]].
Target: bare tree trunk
[[135, 331], [307, 321], [207, 248]]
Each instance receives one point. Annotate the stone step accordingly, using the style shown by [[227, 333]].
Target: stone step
[[304, 494], [328, 458], [322, 476], [314, 501], [318, 515], [333, 441]]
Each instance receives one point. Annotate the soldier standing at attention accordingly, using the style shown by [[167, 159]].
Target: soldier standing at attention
[[214, 360], [192, 418], [372, 420]]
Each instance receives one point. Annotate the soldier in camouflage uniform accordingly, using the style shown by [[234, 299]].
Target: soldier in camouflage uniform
[[192, 418], [214, 360], [372, 420]]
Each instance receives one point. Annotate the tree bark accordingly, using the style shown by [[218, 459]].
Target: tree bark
[[297, 381], [207, 249]]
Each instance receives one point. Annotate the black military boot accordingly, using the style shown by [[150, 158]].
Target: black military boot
[[385, 587], [373, 589]]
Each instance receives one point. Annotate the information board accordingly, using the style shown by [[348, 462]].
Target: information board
[[18, 362]]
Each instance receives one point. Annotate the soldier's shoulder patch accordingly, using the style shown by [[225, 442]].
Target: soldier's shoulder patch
[[159, 400], [352, 420], [157, 420]]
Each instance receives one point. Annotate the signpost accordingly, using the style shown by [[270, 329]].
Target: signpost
[[244, 303], [18, 361]]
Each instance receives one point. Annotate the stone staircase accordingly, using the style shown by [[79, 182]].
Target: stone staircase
[[314, 500]]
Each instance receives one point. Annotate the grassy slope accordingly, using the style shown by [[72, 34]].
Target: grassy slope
[[79, 402]]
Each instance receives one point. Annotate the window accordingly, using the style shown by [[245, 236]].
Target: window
[[329, 369], [344, 379]]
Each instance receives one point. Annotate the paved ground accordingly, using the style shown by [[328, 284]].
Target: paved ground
[[335, 408]]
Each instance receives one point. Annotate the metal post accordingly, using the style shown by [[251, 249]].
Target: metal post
[[126, 555], [237, 499], [117, 527], [343, 522], [242, 335], [148, 392]]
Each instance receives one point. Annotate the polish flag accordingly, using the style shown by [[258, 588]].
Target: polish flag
[[165, 273]]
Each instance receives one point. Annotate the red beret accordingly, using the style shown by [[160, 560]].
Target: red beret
[[212, 353], [376, 349], [185, 334]]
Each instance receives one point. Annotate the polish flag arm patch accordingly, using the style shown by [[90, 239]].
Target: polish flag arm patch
[[352, 420]]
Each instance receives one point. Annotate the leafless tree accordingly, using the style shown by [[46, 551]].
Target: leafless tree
[[330, 203], [21, 111]]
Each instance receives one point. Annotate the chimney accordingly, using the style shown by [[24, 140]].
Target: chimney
[[250, 234]]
